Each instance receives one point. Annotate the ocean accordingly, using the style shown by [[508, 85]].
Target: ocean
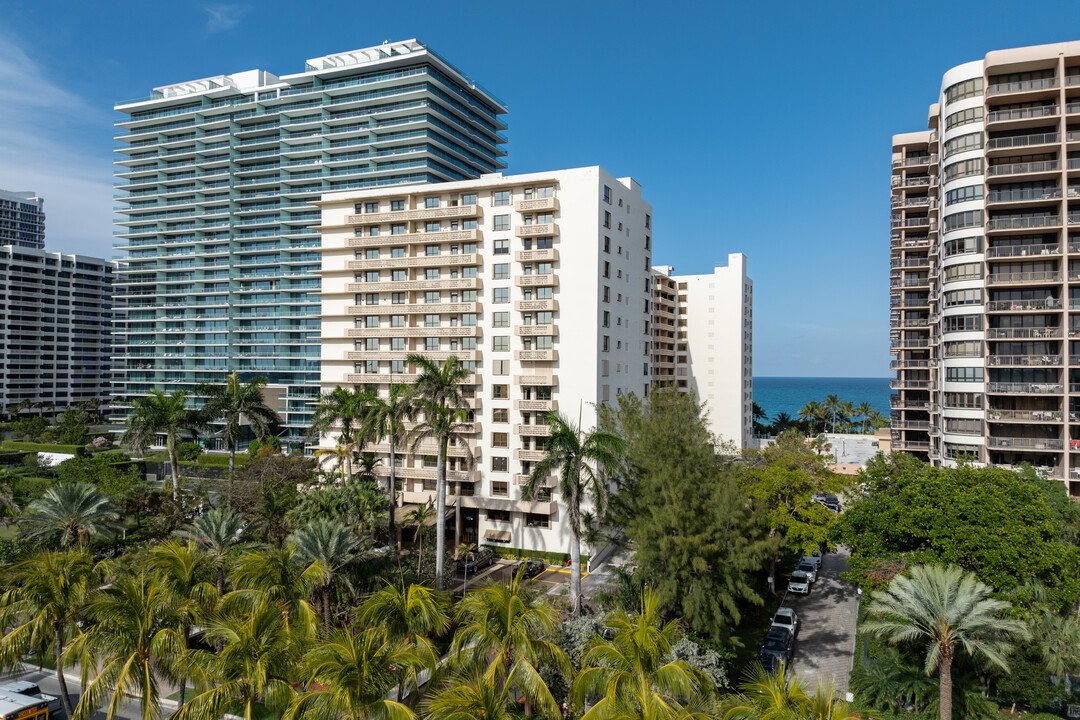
[[790, 394]]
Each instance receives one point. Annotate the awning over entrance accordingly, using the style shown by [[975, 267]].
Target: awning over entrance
[[497, 535]]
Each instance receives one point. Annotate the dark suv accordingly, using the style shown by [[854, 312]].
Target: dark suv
[[475, 560], [777, 645]]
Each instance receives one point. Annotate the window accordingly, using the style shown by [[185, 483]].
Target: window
[[500, 367], [607, 294], [500, 392], [648, 224], [498, 515], [607, 269], [963, 374], [468, 296], [397, 367], [500, 488], [962, 323], [468, 319], [430, 274], [963, 426], [431, 344], [468, 199], [432, 296], [397, 344], [500, 464], [962, 246], [607, 194], [397, 321], [964, 401], [371, 366], [963, 194], [967, 271], [501, 222], [500, 439], [501, 295], [373, 231], [397, 229], [964, 348], [372, 344], [371, 321], [397, 205], [957, 221], [607, 219], [431, 250], [535, 520], [373, 276], [500, 343], [397, 252], [399, 275], [431, 202], [500, 415], [501, 271], [432, 226], [500, 320], [971, 141], [963, 90], [606, 344], [545, 192], [432, 320], [607, 244], [397, 298], [963, 168], [371, 255], [502, 247], [500, 197], [607, 319], [371, 207], [953, 298], [964, 117]]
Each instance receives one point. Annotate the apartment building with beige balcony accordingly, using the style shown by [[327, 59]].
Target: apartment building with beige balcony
[[539, 283], [703, 343], [985, 283]]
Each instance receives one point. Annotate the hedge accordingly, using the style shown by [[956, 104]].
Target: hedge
[[551, 558], [209, 460], [42, 447]]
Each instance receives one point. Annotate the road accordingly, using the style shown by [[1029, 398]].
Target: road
[[46, 680], [826, 640]]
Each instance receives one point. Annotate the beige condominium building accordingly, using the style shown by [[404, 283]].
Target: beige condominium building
[[539, 283], [985, 281], [703, 343]]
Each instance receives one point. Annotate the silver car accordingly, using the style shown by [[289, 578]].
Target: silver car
[[787, 619], [808, 567], [799, 583]]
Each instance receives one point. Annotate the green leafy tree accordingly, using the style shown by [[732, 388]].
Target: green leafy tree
[[267, 490], [160, 414], [631, 673], [440, 401], [70, 513], [697, 538], [581, 460], [948, 611], [130, 641], [72, 427], [234, 405], [41, 606], [346, 411], [110, 477], [332, 546], [387, 422]]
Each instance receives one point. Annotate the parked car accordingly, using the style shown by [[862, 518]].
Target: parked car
[[809, 568], [799, 583], [832, 503], [786, 619], [29, 689], [814, 557], [778, 643], [769, 663], [532, 568], [475, 560]]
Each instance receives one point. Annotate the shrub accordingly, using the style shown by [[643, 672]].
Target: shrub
[[42, 447], [189, 451]]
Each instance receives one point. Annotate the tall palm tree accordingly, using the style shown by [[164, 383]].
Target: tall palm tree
[[504, 631], [581, 459], [947, 610], [342, 455], [832, 405], [365, 467], [70, 513], [335, 548], [183, 570], [387, 422], [257, 656], [353, 674], [439, 399], [631, 672], [863, 411], [345, 408], [158, 413], [278, 575], [783, 421], [41, 606], [130, 641], [419, 516], [811, 413], [235, 404], [218, 535], [778, 694]]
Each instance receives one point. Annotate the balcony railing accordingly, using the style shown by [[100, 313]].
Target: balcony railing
[[1024, 277], [1023, 443], [915, 161], [1009, 388], [1005, 305], [1023, 250], [1024, 167], [1022, 113], [1022, 86], [1018, 195], [1031, 415], [1023, 333], [1025, 360], [1023, 140]]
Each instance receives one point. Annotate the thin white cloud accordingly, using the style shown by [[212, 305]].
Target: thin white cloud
[[40, 126], [224, 17]]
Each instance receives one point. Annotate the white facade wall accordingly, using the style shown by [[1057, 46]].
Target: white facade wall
[[599, 330]]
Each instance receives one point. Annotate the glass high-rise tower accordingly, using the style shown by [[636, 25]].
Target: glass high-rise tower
[[220, 238]]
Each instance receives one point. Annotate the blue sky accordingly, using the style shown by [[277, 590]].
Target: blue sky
[[760, 127]]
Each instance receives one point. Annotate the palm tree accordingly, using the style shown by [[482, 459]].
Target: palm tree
[[353, 674], [41, 606], [365, 467], [218, 535], [440, 400], [581, 458], [474, 696], [334, 547], [783, 421], [347, 408], [258, 654], [503, 631], [631, 671], [409, 615], [832, 405], [342, 455], [132, 639], [387, 422], [158, 413], [863, 410], [419, 516], [71, 512], [278, 575], [810, 413], [948, 610], [766, 694], [182, 569], [235, 404]]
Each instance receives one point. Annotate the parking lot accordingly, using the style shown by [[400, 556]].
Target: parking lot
[[825, 643]]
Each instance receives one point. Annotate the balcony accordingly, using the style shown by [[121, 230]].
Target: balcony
[[415, 332], [910, 424], [917, 181], [388, 355], [537, 205], [532, 430], [1022, 443], [534, 380], [901, 384], [547, 482], [1022, 86], [1024, 223], [1023, 195], [1009, 388], [421, 261], [911, 364], [414, 285], [919, 202], [536, 305], [1023, 305], [458, 211], [1023, 141], [536, 330], [546, 255], [1024, 333], [911, 445], [1027, 415], [530, 455], [528, 281], [536, 405], [415, 473], [916, 161], [536, 355], [415, 238], [416, 309], [1024, 360], [1024, 168], [536, 230], [915, 222], [1023, 250], [1021, 278]]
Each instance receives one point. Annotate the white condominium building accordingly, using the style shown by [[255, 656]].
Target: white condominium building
[[539, 283], [55, 327], [22, 219], [985, 278], [703, 342]]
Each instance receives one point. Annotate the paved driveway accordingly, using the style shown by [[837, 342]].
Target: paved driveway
[[824, 647]]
